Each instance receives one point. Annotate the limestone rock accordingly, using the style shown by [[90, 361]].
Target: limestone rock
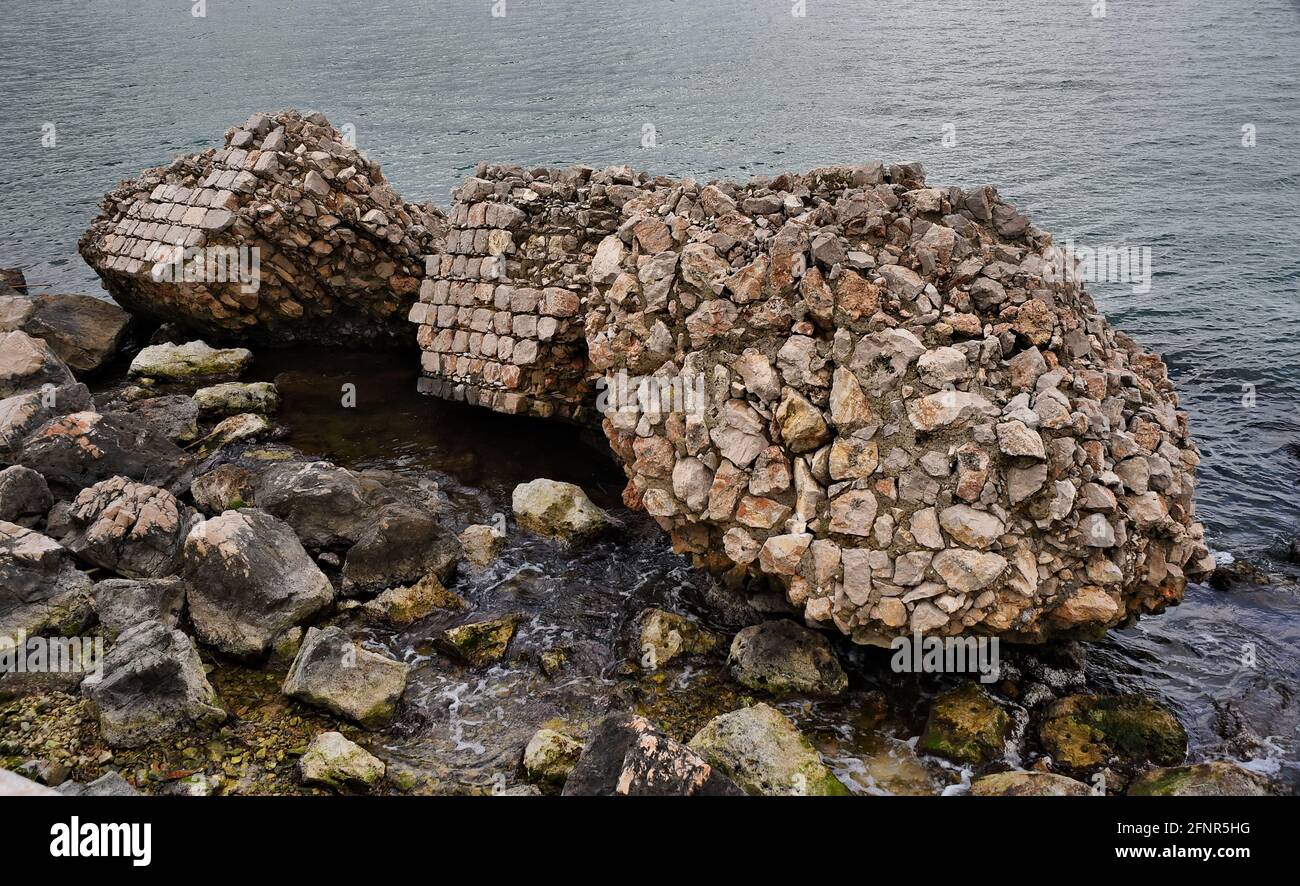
[[129, 528], [227, 487], [403, 606], [481, 544], [123, 603], [191, 362], [666, 635], [1028, 784], [84, 331], [28, 364], [402, 544], [1085, 732], [40, 589], [760, 750], [626, 756], [967, 726], [1216, 778], [175, 416], [333, 673], [559, 510], [24, 496], [335, 762], [481, 643], [249, 580], [233, 398], [550, 756], [153, 685], [783, 658]]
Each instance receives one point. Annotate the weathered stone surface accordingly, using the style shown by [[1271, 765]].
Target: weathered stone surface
[[28, 364], [333, 673], [129, 528], [226, 487], [84, 448], [626, 756], [665, 635], [760, 750], [784, 658], [967, 726], [110, 784], [481, 543], [335, 762], [481, 643], [233, 398], [559, 510], [249, 580], [175, 416], [403, 606], [153, 685], [123, 603], [84, 331], [402, 544], [22, 414], [41, 589], [193, 361], [1214, 779], [24, 496], [337, 252], [1085, 732], [1028, 784], [550, 756]]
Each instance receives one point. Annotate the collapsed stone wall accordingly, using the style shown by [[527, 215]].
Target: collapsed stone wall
[[911, 417], [500, 311], [339, 257]]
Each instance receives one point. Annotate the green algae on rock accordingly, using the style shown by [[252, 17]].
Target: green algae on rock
[[1082, 732], [966, 725], [763, 752], [1214, 779]]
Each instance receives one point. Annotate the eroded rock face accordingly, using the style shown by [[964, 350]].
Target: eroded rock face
[[333, 673], [339, 253], [40, 588], [28, 364], [84, 331], [909, 415], [249, 580], [133, 529]]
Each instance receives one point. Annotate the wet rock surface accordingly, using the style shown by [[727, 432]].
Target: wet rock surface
[[783, 658], [332, 672], [334, 761], [626, 756], [760, 750]]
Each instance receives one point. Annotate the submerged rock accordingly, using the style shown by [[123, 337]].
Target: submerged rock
[[193, 361], [403, 606], [24, 496], [333, 673], [286, 234], [1214, 779], [481, 543], [1028, 784], [123, 603], [86, 332], [1084, 732], [550, 756], [129, 528], [967, 726], [626, 756], [559, 510], [481, 643], [666, 635], [335, 762], [250, 579], [153, 685], [764, 753], [41, 590], [784, 658]]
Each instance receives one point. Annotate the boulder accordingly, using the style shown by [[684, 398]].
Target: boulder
[[666, 635], [191, 362], [175, 416], [129, 528], [401, 607], [24, 496], [22, 414], [626, 756], [110, 784], [764, 753], [550, 756], [1028, 784], [28, 364], [123, 603], [233, 398], [481, 544], [1085, 732], [481, 643], [326, 505], [153, 685], [967, 726], [286, 234], [333, 673], [1216, 778], [41, 590], [402, 544], [335, 762], [236, 429], [227, 487], [784, 658], [249, 579], [84, 331], [79, 450], [559, 510]]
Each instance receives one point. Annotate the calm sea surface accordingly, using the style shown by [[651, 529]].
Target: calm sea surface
[[1125, 130]]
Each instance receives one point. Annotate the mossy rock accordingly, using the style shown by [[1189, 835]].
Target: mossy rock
[[763, 752], [1082, 732], [1215, 779], [1028, 784], [966, 725], [481, 643]]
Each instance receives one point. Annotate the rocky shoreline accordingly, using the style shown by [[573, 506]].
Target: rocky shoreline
[[250, 597]]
